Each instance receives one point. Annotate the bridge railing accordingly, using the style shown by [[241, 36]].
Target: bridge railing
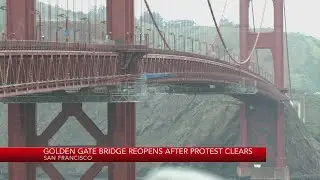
[[221, 56], [252, 67], [58, 46], [62, 46]]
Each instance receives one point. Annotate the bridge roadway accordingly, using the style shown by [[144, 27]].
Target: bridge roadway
[[29, 67]]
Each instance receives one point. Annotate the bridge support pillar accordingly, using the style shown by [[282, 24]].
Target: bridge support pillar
[[267, 40], [122, 133], [21, 133], [120, 21], [121, 116], [21, 22], [263, 125]]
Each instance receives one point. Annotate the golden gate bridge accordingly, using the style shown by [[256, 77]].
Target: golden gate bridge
[[51, 54]]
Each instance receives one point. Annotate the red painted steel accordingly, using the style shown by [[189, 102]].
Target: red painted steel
[[20, 19], [39, 48], [267, 40], [21, 133], [244, 29], [259, 128], [19, 69], [21, 117], [58, 46], [122, 126], [262, 127], [50, 70], [68, 110], [274, 124], [120, 20], [122, 116]]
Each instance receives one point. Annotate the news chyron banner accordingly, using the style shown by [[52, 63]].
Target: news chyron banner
[[134, 154]]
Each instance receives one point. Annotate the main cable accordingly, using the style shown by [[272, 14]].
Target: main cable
[[221, 19], [222, 40], [156, 25]]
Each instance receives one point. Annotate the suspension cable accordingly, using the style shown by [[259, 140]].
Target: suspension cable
[[254, 30], [222, 40], [286, 40], [156, 25], [221, 19], [141, 22]]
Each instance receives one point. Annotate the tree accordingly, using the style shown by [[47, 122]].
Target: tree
[[146, 18], [226, 22], [181, 23]]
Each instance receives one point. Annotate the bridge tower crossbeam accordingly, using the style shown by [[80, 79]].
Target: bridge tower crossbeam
[[121, 116], [252, 123]]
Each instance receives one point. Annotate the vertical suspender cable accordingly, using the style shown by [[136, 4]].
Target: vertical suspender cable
[[156, 25], [50, 20], [287, 49], [222, 40], [74, 21], [57, 20], [221, 19], [95, 21]]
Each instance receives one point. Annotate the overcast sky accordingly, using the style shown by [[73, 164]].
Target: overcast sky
[[302, 15]]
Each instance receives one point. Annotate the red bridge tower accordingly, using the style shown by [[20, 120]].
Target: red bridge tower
[[263, 124], [22, 116]]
